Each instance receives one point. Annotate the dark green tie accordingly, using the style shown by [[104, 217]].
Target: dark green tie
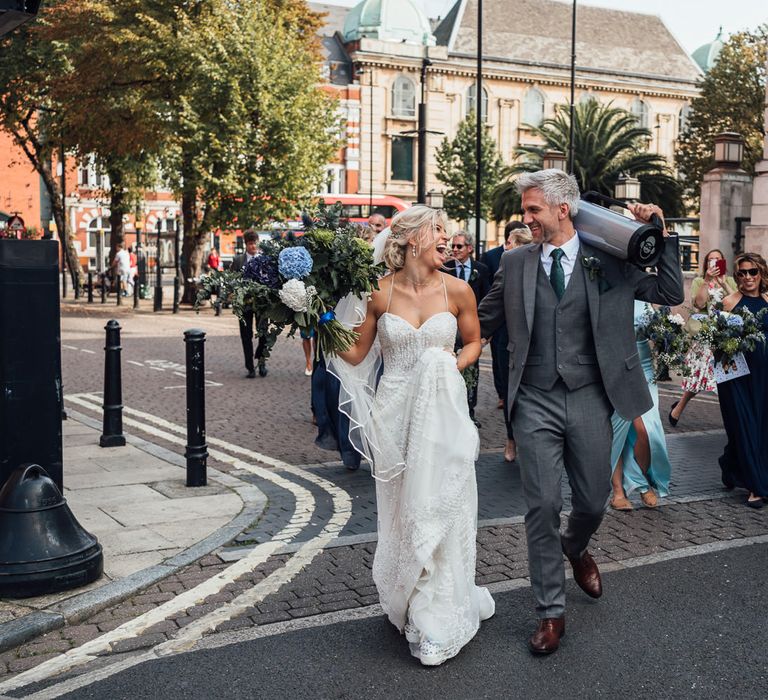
[[556, 274]]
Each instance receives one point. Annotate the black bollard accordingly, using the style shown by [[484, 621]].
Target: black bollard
[[136, 293], [103, 278], [197, 450], [119, 292], [217, 307], [112, 435], [90, 287], [176, 294]]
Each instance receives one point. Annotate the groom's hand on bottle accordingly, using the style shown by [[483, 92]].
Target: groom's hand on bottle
[[644, 212]]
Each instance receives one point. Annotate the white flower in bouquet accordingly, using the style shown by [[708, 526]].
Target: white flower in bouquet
[[296, 295], [677, 319]]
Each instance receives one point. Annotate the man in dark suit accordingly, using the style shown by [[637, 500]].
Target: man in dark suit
[[475, 274], [499, 355], [251, 239]]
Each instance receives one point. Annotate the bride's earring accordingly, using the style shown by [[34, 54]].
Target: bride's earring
[[413, 250]]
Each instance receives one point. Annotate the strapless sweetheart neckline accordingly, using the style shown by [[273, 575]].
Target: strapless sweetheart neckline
[[410, 325]]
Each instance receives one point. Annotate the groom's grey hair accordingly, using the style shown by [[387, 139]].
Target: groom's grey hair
[[558, 187]]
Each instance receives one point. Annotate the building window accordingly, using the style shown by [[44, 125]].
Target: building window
[[533, 107], [640, 111], [99, 223], [402, 158], [682, 118], [90, 176], [333, 183], [403, 98], [472, 101]]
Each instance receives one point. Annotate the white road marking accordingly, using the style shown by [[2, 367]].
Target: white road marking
[[305, 506], [90, 352], [133, 362], [68, 347]]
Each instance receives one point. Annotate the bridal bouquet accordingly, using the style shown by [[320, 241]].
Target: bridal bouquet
[[729, 333], [296, 281], [668, 338]]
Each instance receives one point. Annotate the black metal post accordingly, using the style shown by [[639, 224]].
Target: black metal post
[[158, 306], [196, 452], [136, 293], [573, 87], [119, 291], [370, 154], [112, 435], [176, 268], [103, 278], [90, 287], [421, 177], [63, 270], [479, 134]]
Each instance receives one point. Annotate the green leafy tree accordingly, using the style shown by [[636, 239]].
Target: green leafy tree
[[732, 98], [456, 168], [607, 142], [30, 65]]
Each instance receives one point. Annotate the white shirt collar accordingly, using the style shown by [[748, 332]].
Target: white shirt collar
[[570, 248]]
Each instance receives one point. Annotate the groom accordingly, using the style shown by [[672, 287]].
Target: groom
[[572, 361]]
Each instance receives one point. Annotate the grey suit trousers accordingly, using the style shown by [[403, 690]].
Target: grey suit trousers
[[561, 429]]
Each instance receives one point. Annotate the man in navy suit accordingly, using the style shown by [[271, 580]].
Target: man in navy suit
[[500, 357], [475, 274]]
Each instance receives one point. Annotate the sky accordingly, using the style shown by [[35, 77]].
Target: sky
[[693, 22]]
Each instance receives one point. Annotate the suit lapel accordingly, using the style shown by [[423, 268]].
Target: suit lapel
[[530, 270], [592, 287]]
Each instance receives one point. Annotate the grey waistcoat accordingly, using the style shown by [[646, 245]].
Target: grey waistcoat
[[561, 339]]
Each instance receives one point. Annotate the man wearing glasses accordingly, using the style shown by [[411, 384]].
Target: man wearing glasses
[[476, 275]]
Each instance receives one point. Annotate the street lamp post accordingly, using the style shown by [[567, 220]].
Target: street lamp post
[[573, 87], [139, 261], [158, 305], [479, 134]]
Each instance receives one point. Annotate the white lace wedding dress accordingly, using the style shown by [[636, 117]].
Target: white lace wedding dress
[[424, 446]]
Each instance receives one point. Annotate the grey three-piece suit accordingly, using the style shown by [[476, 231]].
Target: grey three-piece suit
[[571, 363]]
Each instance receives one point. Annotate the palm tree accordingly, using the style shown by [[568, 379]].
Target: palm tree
[[607, 142]]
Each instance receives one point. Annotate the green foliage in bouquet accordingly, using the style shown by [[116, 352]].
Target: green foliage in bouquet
[[297, 280], [669, 341], [729, 333]]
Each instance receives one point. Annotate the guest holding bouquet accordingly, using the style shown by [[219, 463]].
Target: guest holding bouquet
[[744, 400], [709, 289], [639, 453]]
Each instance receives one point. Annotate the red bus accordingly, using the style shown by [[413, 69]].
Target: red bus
[[358, 207]]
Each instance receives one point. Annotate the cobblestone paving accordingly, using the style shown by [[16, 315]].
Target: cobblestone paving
[[271, 416], [340, 577]]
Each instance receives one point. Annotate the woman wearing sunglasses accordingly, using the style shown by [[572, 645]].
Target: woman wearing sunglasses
[[744, 401]]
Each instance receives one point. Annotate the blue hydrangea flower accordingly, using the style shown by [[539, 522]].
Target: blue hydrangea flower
[[262, 269], [737, 321], [294, 263]]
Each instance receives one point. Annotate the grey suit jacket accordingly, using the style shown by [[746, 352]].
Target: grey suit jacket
[[610, 297], [237, 262]]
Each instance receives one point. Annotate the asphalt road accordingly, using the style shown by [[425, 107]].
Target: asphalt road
[[686, 628]]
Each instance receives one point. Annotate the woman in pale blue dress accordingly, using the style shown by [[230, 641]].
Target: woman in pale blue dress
[[639, 454]]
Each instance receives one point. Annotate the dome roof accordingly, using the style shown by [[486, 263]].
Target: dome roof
[[707, 54], [389, 20]]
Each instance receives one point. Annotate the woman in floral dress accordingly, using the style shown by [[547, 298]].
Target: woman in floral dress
[[706, 291]]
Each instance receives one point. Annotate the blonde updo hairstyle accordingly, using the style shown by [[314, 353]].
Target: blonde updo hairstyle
[[417, 226]]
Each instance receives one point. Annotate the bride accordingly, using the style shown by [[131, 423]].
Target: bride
[[415, 430]]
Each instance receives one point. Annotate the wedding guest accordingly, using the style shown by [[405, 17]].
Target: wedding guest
[[516, 233], [251, 239], [710, 288], [744, 400], [377, 223], [475, 274], [214, 261], [639, 453]]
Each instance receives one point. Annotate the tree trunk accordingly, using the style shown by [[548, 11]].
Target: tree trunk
[[193, 244], [117, 209]]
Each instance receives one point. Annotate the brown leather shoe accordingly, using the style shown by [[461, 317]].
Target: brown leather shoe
[[587, 575], [546, 638]]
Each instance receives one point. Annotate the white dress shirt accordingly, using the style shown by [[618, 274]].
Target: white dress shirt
[[465, 272], [570, 253]]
